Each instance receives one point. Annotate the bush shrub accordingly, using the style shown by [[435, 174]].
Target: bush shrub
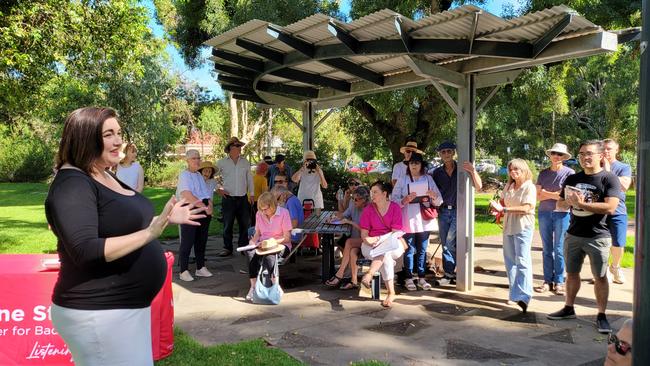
[[165, 174], [25, 159]]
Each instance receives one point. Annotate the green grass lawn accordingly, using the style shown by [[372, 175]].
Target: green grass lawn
[[23, 227]]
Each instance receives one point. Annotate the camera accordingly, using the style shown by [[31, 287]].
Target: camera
[[311, 165]]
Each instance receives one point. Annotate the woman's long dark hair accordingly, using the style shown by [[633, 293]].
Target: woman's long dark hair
[[81, 141]]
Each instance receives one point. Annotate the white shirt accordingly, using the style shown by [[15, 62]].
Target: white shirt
[[237, 178], [129, 175], [193, 182], [399, 170], [412, 221]]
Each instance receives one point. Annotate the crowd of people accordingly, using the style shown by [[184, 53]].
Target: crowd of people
[[102, 260]]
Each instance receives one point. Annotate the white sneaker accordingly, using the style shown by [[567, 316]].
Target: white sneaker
[[203, 272], [186, 276], [249, 296], [619, 277]]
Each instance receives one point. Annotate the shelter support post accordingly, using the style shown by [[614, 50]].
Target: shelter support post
[[465, 200], [308, 126], [641, 335]]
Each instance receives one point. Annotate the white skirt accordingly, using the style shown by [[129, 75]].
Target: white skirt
[[106, 337]]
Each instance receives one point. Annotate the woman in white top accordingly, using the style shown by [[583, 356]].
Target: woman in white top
[[311, 178], [129, 171], [408, 193], [519, 196]]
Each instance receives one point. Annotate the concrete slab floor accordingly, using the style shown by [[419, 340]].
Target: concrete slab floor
[[321, 326]]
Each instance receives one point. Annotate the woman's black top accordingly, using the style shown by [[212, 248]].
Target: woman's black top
[[83, 213]]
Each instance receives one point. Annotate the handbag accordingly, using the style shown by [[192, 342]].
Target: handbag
[[267, 292], [427, 211]]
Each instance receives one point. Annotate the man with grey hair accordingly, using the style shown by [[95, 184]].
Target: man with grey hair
[[617, 223], [192, 187], [237, 194]]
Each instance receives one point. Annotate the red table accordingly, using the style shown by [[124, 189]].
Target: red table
[[26, 332], [27, 336]]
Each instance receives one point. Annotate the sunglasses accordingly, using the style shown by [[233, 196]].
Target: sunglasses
[[354, 183], [556, 153], [279, 181], [622, 348]]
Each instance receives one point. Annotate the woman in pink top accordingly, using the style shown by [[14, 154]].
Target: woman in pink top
[[378, 218], [271, 222]]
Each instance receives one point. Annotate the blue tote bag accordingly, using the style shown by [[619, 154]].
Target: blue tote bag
[[266, 292]]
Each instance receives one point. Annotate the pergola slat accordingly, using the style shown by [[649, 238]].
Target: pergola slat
[[547, 38]]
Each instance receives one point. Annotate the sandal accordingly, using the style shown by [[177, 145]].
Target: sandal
[[544, 287], [365, 280], [408, 283], [335, 281], [559, 289], [350, 286], [424, 285]]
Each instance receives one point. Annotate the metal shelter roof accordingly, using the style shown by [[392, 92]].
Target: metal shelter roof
[[322, 60]]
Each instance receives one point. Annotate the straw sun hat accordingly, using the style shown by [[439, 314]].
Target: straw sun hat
[[269, 246]]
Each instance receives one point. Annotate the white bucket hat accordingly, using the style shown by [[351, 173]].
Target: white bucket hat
[[559, 148]]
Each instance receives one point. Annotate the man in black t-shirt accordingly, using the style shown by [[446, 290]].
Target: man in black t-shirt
[[592, 195]]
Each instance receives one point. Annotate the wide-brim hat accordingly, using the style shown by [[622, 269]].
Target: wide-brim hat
[[411, 145], [559, 148], [233, 140], [207, 164], [269, 246], [415, 157], [309, 154]]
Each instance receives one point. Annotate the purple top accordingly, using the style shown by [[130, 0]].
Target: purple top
[[552, 181], [371, 221]]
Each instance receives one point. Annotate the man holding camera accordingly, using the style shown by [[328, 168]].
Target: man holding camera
[[310, 178]]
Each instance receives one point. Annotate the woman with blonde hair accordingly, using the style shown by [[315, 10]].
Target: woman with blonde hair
[[272, 235], [130, 171], [519, 196]]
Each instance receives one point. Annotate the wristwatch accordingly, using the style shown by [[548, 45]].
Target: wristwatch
[[505, 209]]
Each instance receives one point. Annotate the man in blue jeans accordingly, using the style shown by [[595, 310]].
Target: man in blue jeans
[[553, 221], [446, 177]]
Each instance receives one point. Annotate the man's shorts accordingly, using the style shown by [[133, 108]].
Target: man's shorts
[[617, 225], [576, 248]]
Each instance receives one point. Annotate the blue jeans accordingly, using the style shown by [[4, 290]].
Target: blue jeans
[[447, 229], [417, 243], [516, 256], [552, 229]]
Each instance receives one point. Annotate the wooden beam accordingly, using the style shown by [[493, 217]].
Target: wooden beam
[[313, 79], [282, 88], [236, 71], [221, 78], [250, 98], [353, 69], [429, 70], [450, 101], [403, 34], [273, 55], [248, 62], [549, 36], [497, 78], [344, 36], [294, 42]]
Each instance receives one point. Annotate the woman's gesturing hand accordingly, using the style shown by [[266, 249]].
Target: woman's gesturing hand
[[176, 212]]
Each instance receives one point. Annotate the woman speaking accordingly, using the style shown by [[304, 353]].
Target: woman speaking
[[112, 265]]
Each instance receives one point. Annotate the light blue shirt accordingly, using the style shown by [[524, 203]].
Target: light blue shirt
[[621, 169]]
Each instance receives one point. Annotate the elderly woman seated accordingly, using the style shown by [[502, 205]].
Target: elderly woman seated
[[352, 215], [272, 222]]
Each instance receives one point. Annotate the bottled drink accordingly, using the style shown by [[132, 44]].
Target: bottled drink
[[340, 194]]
